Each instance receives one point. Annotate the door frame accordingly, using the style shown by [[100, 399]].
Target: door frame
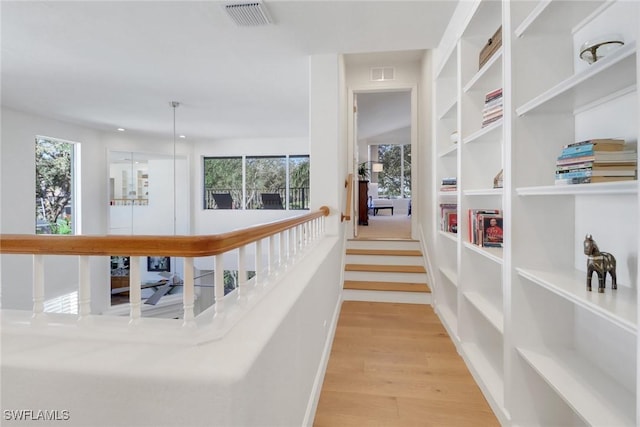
[[352, 149]]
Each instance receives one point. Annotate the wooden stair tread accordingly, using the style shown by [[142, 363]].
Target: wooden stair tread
[[385, 268], [388, 252], [386, 286]]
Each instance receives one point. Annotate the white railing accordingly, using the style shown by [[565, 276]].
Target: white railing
[[294, 235]]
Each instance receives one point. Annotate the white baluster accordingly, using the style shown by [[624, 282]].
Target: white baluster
[[135, 293], [38, 286], [84, 288], [218, 283], [282, 252], [273, 256], [188, 293], [242, 271], [258, 261], [292, 242]]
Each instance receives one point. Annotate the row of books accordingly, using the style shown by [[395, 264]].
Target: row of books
[[449, 217], [596, 160], [485, 227], [449, 184], [493, 107]]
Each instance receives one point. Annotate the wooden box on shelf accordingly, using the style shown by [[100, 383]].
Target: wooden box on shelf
[[493, 44]]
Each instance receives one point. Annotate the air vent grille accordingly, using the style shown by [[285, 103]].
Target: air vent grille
[[379, 74], [248, 14]]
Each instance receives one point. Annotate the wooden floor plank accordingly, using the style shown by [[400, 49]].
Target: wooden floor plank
[[394, 365]]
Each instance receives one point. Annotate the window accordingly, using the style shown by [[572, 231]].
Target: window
[[265, 175], [298, 182], [280, 181], [395, 180], [222, 176], [54, 201]]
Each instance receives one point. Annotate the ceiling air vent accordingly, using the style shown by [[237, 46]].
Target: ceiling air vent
[[380, 74], [248, 14]]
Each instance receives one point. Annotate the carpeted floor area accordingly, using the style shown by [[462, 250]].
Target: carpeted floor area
[[386, 226]]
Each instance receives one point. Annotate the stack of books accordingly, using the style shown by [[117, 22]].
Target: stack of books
[[492, 111], [596, 160], [449, 184], [449, 217], [485, 227]]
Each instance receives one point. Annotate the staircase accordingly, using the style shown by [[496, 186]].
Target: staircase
[[385, 271]]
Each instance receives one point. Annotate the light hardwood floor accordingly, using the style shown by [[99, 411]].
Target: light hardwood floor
[[393, 365]]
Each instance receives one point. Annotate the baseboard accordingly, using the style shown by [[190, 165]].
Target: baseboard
[[387, 296], [314, 396]]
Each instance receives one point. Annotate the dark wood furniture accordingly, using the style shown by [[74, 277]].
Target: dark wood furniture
[[363, 206]]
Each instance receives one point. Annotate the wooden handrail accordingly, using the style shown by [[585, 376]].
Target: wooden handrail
[[349, 184], [180, 246]]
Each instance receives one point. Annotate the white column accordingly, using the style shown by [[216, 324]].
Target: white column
[[188, 294], [84, 288], [327, 135], [135, 293]]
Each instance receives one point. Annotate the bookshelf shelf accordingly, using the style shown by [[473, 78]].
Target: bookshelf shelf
[[450, 274], [450, 110], [450, 151], [489, 379], [484, 192], [494, 254], [611, 188], [481, 81], [484, 306], [557, 16], [449, 320], [615, 306], [612, 74], [449, 236], [598, 401], [490, 133]]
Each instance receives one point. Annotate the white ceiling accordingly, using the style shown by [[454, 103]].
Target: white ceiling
[[110, 64]]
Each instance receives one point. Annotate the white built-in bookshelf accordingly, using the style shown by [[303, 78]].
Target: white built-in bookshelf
[[543, 349]]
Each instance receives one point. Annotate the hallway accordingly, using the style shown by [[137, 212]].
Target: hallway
[[393, 365], [386, 226]]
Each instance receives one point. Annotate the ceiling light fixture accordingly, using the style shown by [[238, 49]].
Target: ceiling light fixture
[[121, 129], [248, 14], [182, 136]]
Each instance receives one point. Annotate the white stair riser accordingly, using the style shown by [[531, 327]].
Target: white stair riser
[[387, 296], [385, 277], [383, 244], [384, 260]]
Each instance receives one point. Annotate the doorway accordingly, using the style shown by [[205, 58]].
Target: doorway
[[384, 140]]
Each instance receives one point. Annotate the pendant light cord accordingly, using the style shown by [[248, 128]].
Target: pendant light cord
[[174, 104]]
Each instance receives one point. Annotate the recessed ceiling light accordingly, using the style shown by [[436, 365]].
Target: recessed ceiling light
[[121, 129], [183, 136]]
